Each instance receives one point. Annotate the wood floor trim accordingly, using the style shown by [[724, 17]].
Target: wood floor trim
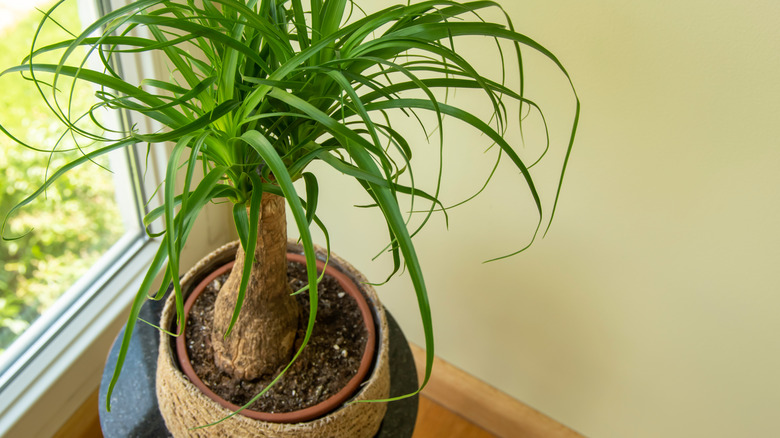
[[484, 405]]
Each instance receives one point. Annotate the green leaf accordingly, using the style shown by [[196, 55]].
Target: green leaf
[[174, 246], [202, 122], [135, 310], [312, 192], [241, 220]]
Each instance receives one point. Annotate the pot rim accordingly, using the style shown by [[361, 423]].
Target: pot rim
[[320, 409]]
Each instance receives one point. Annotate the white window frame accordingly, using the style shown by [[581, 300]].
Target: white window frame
[[63, 366]]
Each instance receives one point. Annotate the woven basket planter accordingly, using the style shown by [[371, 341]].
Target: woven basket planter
[[185, 408]]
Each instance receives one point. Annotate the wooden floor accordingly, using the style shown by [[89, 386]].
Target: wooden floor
[[454, 404], [436, 421]]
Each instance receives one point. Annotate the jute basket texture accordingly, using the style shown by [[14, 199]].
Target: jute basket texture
[[185, 408]]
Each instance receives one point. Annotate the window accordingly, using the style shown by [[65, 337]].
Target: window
[[65, 285], [57, 361], [65, 238]]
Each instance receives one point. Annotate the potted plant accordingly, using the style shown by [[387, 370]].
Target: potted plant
[[260, 89]]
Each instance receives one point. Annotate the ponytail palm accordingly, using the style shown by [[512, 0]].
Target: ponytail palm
[[260, 89]]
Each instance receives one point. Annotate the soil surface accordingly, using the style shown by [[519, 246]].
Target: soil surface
[[328, 362]]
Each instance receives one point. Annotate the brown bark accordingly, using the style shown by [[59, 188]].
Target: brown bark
[[262, 338]]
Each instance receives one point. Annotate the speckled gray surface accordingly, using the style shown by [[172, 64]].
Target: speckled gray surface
[[135, 414]]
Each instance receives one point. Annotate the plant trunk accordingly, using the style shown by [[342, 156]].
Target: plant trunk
[[262, 338]]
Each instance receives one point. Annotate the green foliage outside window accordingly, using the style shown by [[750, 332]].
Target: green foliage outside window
[[78, 220]]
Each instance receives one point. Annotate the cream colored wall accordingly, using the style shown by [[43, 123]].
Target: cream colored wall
[[653, 306]]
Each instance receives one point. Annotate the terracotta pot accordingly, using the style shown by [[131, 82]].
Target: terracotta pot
[[322, 408], [185, 407]]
